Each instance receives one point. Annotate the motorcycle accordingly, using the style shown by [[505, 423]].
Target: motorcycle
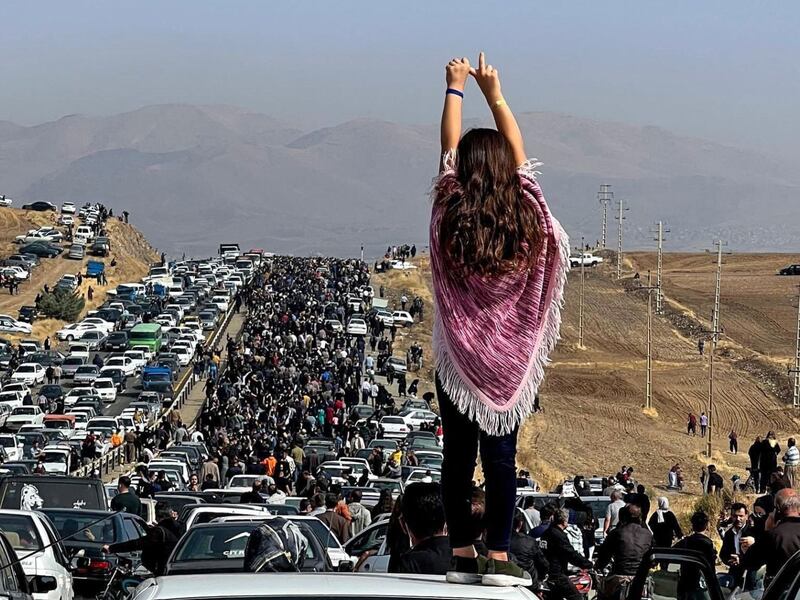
[[582, 581]]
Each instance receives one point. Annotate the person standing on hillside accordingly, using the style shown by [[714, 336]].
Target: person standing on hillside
[[691, 425], [734, 441], [498, 260], [703, 424], [768, 460]]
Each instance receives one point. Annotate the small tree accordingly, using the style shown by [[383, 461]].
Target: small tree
[[62, 304]]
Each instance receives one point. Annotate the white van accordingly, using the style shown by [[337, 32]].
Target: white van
[[85, 232], [35, 541]]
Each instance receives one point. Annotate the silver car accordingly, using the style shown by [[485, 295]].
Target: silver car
[[77, 251]]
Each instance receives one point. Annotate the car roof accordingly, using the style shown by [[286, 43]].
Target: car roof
[[350, 585]]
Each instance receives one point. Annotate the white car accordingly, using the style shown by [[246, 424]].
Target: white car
[[72, 396], [106, 387], [99, 324], [85, 232], [68, 208], [56, 459], [418, 417], [12, 446], [334, 325], [11, 398], [16, 271], [79, 350], [11, 325], [66, 220], [165, 320], [356, 326], [126, 363], [146, 350], [184, 354], [27, 530], [138, 358], [24, 415], [397, 364], [29, 373], [403, 266], [394, 427], [75, 331], [5, 200], [81, 420], [221, 302], [401, 317]]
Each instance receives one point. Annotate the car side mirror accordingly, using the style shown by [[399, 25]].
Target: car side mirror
[[40, 584], [345, 566]]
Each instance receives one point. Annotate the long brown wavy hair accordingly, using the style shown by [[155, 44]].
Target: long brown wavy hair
[[488, 227]]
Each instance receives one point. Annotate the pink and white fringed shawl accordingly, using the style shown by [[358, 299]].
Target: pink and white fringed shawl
[[492, 337]]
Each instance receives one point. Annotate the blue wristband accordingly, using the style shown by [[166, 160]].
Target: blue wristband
[[455, 92]]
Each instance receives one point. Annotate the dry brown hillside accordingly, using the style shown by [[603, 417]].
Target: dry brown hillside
[[593, 396], [131, 250]]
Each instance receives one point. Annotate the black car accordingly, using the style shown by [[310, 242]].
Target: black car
[[27, 314], [172, 364], [219, 548], [52, 392], [92, 575], [790, 270], [42, 249], [92, 402], [116, 341], [100, 249], [46, 358], [39, 206], [118, 377]]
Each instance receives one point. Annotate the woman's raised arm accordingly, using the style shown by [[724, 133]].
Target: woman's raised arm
[[457, 73], [489, 81]]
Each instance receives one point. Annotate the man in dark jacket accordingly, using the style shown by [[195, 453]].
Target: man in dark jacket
[[625, 547], [768, 460], [560, 553], [527, 553], [777, 545], [423, 519], [253, 496], [157, 544], [335, 522], [689, 580], [731, 551], [126, 500]]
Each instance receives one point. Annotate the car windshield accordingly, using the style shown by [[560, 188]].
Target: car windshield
[[71, 524], [20, 531], [86, 369], [393, 420], [24, 410], [73, 360], [26, 369], [215, 543], [54, 457]]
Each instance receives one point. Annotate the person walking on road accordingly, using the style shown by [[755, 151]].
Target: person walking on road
[[519, 261]]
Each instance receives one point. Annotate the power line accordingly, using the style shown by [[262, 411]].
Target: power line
[[605, 196], [796, 370], [621, 209], [659, 231], [580, 303], [715, 334]]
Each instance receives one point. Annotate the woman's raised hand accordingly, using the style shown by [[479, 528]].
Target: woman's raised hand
[[488, 79], [457, 72]]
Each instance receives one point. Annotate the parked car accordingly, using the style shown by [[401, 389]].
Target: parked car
[[402, 318], [790, 270], [29, 373], [76, 251], [11, 325], [40, 206], [27, 314], [36, 542], [43, 249], [24, 415], [356, 326]]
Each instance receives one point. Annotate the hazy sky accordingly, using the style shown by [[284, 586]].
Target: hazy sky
[[725, 70]]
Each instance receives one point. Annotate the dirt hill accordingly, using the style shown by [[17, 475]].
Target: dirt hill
[[131, 250], [594, 421]]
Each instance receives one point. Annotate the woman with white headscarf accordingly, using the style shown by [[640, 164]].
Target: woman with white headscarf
[[664, 525]]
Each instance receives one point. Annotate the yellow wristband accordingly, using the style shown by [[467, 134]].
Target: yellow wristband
[[499, 103]]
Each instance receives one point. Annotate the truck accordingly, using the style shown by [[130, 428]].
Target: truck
[[586, 258], [229, 251], [95, 268]]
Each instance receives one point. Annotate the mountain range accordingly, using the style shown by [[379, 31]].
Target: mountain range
[[194, 176]]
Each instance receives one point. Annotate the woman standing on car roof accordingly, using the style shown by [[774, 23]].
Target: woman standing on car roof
[[499, 262]]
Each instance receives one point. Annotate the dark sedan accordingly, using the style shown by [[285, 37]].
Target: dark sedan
[[42, 249], [219, 548], [40, 206], [119, 527]]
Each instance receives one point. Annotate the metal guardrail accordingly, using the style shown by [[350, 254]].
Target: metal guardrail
[[115, 457]]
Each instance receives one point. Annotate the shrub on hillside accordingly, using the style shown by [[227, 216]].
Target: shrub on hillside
[[62, 304]]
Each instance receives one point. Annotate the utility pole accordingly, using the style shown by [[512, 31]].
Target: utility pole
[[620, 218], [715, 333], [660, 231], [648, 401], [580, 303], [796, 370], [362, 253], [605, 195]]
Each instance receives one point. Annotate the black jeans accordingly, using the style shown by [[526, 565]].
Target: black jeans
[[498, 460]]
